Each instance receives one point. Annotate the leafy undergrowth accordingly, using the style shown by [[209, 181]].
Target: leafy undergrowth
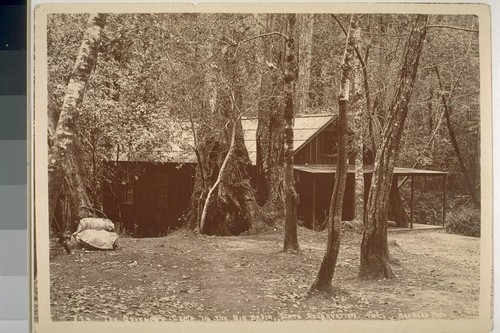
[[188, 277]]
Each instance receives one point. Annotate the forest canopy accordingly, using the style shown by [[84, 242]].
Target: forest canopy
[[153, 71]]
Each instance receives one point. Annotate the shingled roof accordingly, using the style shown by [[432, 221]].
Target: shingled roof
[[305, 128]]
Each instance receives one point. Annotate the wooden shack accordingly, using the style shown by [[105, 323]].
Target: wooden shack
[[151, 198], [155, 190]]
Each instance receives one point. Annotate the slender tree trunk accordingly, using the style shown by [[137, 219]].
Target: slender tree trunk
[[62, 160], [430, 109], [477, 166], [447, 114], [327, 89], [223, 173], [305, 23], [291, 243], [269, 137], [358, 114], [324, 277], [374, 249]]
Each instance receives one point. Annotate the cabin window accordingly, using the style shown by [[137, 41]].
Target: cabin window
[[163, 188]]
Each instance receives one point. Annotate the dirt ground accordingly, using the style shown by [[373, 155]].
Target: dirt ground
[[185, 277]]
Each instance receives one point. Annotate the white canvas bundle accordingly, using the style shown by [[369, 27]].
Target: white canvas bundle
[[95, 224], [98, 239]]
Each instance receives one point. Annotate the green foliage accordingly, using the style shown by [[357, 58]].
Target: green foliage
[[464, 220]]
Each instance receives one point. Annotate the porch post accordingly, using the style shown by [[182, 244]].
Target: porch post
[[314, 202], [411, 202], [444, 199]]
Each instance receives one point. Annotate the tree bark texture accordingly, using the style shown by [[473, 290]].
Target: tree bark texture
[[324, 277], [200, 192], [291, 243], [230, 207], [358, 115], [374, 249], [304, 36], [380, 70], [223, 173], [269, 137], [447, 114], [63, 166]]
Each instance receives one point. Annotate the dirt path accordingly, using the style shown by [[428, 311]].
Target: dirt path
[[188, 277]]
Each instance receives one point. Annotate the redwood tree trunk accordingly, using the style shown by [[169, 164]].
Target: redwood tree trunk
[[207, 105], [269, 137], [291, 243], [230, 207], [324, 278], [374, 250], [63, 166]]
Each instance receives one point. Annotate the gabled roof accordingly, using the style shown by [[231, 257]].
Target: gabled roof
[[305, 128]]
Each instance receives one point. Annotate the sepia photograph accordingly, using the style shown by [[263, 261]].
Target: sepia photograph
[[281, 167]]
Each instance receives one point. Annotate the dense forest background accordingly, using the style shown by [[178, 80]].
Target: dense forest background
[[154, 70]]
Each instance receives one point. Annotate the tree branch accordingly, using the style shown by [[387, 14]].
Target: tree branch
[[340, 23], [452, 27], [447, 113], [274, 33], [237, 44], [305, 24], [423, 151]]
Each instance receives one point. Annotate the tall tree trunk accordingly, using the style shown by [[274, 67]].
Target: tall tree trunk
[[374, 249], [324, 277], [269, 136], [209, 94], [305, 23], [477, 165], [447, 114], [359, 116], [63, 163], [230, 207], [207, 101], [291, 243]]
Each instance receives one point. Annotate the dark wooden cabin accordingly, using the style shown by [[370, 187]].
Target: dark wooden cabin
[[152, 197]]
